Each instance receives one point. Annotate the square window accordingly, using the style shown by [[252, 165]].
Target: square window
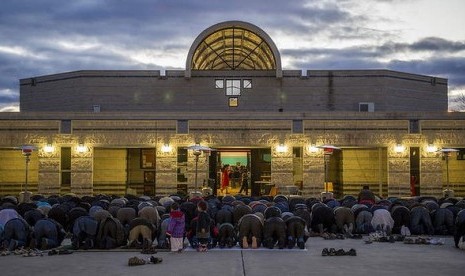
[[233, 87], [233, 102], [247, 84], [219, 84]]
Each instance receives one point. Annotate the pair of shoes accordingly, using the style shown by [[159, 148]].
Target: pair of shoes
[[437, 241], [422, 240], [340, 252], [409, 240], [340, 237], [155, 260], [52, 252], [19, 251], [33, 253], [133, 261], [30, 254], [383, 239]]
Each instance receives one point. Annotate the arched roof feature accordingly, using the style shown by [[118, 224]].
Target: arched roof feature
[[233, 45]]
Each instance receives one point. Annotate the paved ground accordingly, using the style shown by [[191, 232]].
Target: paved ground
[[372, 259]]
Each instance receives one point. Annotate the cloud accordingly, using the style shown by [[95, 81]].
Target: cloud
[[50, 36], [435, 44]]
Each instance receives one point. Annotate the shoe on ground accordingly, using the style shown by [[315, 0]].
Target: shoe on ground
[[133, 261], [325, 252], [409, 240], [351, 252], [155, 260], [332, 252], [340, 252], [52, 252]]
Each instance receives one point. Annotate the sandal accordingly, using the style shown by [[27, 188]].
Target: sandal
[[135, 261]]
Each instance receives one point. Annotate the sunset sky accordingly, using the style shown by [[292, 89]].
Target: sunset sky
[[51, 36]]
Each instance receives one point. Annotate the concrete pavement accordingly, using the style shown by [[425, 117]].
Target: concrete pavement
[[372, 259]]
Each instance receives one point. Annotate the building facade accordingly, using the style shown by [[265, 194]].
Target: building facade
[[115, 132]]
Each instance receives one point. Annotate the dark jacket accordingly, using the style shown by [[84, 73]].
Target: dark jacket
[[120, 237], [203, 225]]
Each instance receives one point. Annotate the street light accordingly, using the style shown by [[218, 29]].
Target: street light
[[446, 153], [328, 151], [197, 151]]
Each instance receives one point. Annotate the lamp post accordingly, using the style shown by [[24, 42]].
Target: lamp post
[[197, 151], [26, 151], [446, 153]]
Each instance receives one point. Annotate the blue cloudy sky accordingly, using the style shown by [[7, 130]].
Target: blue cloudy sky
[[40, 37]]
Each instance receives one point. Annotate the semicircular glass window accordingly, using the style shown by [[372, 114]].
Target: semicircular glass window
[[233, 49]]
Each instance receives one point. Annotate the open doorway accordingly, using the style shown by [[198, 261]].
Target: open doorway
[[255, 162]]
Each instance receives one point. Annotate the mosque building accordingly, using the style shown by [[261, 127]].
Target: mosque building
[[118, 131]]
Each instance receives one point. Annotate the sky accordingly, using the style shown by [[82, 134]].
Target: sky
[[41, 37]]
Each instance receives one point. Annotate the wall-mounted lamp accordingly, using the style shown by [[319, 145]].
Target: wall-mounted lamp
[[313, 148], [431, 148], [281, 148], [49, 148], [81, 148], [399, 148], [165, 148]]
